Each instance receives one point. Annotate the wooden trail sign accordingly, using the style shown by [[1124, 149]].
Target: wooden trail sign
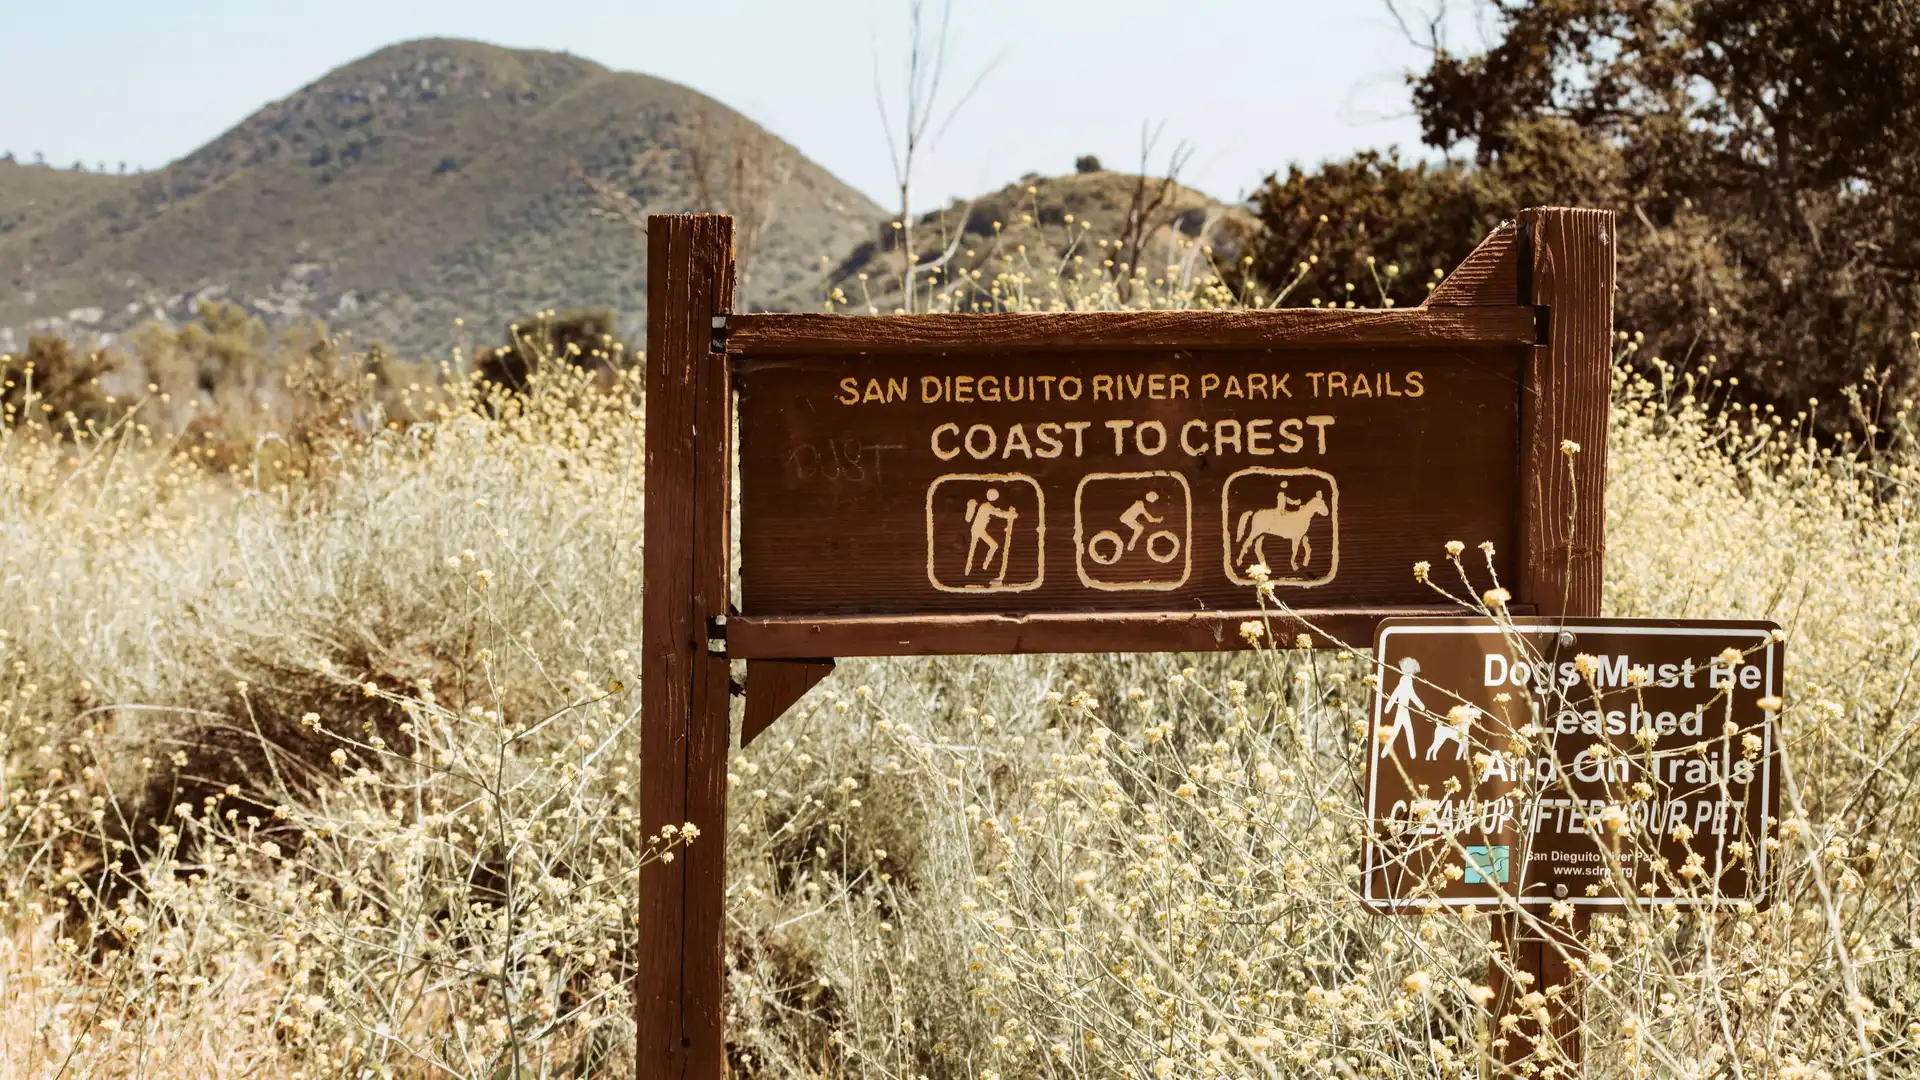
[[1073, 482], [1606, 763], [1122, 480]]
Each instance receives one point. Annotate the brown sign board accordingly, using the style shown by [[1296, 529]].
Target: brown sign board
[[1105, 481], [1126, 480], [1604, 762]]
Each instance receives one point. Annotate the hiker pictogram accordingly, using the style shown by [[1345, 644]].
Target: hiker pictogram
[[1132, 530], [984, 513], [985, 532], [1400, 705], [1287, 520]]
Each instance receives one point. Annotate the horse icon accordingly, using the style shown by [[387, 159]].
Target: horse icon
[[1289, 519]]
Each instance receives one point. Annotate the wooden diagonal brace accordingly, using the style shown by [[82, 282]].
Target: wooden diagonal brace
[[772, 688]]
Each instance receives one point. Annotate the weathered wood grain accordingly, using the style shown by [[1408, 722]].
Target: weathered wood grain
[[1488, 277], [1293, 328], [844, 505], [1569, 386], [1563, 530], [939, 635], [684, 700], [772, 688]]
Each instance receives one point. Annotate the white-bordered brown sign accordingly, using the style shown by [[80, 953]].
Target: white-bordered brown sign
[[1601, 762]]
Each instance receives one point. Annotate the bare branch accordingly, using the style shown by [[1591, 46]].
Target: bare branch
[[972, 89], [886, 122], [613, 199], [926, 72], [733, 167], [1434, 42], [947, 255], [1144, 209]]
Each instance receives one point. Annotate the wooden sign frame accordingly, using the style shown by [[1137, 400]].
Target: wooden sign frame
[[1543, 284]]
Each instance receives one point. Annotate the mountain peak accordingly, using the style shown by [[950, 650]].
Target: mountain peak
[[451, 66], [428, 180]]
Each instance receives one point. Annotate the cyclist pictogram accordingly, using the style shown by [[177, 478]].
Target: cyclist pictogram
[[1132, 530], [1106, 547]]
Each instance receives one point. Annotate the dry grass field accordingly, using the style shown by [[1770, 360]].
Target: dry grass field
[[318, 745]]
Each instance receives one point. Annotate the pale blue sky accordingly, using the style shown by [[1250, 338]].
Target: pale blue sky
[[1251, 84]]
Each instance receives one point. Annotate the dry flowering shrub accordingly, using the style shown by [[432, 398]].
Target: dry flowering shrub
[[1069, 269], [354, 774], [329, 767], [1164, 879]]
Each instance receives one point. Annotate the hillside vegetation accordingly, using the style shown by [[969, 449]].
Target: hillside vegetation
[[33, 196], [1763, 159], [318, 749], [1044, 240], [430, 181]]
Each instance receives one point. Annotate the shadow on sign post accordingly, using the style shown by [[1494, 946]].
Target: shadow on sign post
[[1075, 482]]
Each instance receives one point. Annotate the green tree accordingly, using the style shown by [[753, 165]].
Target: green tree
[[1764, 156]]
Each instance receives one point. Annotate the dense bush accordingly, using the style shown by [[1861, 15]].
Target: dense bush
[[1763, 156], [583, 339], [56, 387]]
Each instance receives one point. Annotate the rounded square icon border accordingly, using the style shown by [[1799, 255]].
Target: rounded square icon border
[[1186, 542], [1040, 532], [1226, 525]]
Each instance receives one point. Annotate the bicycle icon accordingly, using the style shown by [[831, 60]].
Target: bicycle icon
[[1146, 546], [1106, 547]]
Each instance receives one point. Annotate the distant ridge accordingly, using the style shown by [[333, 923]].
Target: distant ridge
[[431, 180]]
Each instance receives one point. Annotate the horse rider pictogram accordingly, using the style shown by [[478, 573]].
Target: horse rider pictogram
[[1288, 519]]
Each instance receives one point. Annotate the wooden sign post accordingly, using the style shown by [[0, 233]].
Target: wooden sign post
[[1076, 482], [679, 985]]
